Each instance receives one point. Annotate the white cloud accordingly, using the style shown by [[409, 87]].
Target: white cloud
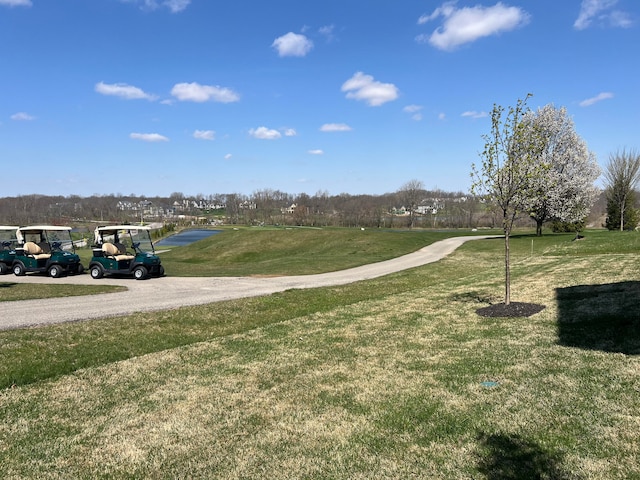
[[204, 134], [148, 137], [316, 152], [598, 98], [123, 90], [290, 132], [468, 24], [292, 45], [414, 110], [264, 133], [194, 92], [364, 87], [474, 114], [335, 127], [442, 116], [327, 32], [22, 116], [16, 3], [445, 10], [174, 6], [602, 11], [228, 156]]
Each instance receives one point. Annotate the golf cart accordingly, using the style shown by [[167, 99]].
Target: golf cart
[[46, 249], [8, 244], [124, 250]]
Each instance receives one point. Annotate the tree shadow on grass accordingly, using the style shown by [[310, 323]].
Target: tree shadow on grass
[[7, 284], [600, 317], [511, 457]]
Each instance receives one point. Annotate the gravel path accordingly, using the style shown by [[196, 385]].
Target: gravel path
[[172, 292]]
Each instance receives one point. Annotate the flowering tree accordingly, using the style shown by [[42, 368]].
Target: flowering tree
[[565, 191], [510, 170]]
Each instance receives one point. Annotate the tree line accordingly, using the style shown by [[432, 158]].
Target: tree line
[[411, 206], [440, 209]]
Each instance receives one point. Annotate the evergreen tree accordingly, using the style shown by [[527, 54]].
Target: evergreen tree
[[631, 214]]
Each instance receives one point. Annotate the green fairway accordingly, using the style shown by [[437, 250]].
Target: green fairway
[[395, 377], [293, 251]]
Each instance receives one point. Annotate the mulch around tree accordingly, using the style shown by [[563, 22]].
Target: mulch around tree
[[514, 309]]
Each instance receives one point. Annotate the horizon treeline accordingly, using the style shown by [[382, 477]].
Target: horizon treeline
[[432, 209]]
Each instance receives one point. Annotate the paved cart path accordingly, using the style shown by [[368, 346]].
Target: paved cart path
[[173, 292]]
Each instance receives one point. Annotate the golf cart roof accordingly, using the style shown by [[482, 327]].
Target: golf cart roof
[[113, 228], [39, 228], [8, 227]]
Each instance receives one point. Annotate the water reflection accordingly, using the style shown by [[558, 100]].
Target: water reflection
[[186, 237]]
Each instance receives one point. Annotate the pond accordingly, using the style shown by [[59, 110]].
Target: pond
[[186, 237]]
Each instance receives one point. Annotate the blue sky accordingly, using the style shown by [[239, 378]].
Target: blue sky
[[357, 96]]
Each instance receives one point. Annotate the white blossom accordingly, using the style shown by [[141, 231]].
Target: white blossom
[[565, 191]]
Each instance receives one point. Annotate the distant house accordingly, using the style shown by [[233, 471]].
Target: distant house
[[290, 210], [400, 211], [428, 206]]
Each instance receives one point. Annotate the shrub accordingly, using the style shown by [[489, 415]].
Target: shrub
[[567, 227]]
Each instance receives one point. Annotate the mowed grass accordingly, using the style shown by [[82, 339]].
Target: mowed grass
[[391, 378], [293, 251], [10, 291]]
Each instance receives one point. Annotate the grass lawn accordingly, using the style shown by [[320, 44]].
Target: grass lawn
[[391, 378], [10, 291], [293, 251]]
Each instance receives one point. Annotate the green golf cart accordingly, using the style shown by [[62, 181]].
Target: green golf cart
[[46, 249], [124, 250], [8, 243]]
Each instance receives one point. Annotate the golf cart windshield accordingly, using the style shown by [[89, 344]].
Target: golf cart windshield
[[131, 237], [58, 238], [8, 239]]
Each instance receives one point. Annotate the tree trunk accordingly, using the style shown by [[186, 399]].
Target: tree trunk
[[538, 228], [507, 271], [622, 205]]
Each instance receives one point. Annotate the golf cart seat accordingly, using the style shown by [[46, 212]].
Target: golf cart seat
[[118, 252], [37, 251]]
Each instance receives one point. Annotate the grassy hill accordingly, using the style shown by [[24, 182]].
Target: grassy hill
[[293, 251]]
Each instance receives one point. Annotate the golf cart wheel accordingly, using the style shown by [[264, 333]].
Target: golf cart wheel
[[55, 271], [161, 271], [140, 273], [18, 270], [96, 272], [4, 268]]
